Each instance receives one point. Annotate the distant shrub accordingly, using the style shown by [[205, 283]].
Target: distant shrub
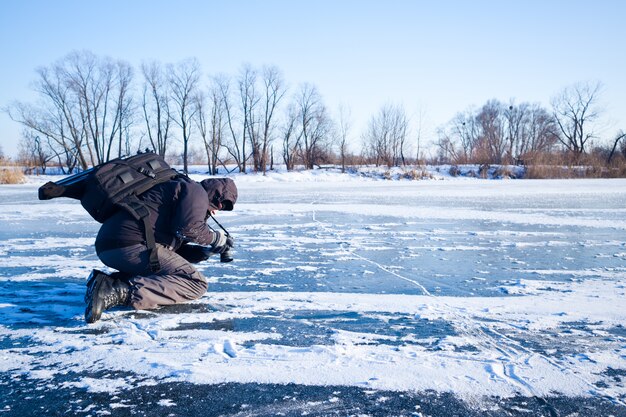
[[388, 175], [541, 172], [483, 171], [454, 171], [617, 171], [11, 176]]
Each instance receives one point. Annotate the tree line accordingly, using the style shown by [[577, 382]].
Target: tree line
[[505, 133], [91, 109]]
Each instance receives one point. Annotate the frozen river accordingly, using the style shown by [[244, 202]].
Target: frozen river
[[347, 297], [450, 238]]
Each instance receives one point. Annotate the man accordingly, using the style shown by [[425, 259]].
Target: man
[[178, 211]]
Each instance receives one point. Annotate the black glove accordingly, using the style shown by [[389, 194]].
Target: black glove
[[221, 242], [194, 253]]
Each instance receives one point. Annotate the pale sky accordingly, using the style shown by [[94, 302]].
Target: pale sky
[[436, 58]]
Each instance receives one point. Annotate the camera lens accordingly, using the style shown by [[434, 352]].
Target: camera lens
[[226, 256]]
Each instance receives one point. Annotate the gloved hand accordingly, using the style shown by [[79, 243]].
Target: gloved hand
[[221, 242], [194, 253]]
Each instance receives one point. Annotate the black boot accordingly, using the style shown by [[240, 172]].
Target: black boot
[[91, 280], [106, 292]]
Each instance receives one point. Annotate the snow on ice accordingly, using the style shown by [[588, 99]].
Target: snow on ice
[[475, 287]]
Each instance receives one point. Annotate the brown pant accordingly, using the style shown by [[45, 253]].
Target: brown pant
[[176, 282]]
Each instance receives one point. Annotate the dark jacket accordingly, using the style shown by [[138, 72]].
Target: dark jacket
[[178, 212]]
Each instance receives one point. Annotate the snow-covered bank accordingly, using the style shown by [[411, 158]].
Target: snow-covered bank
[[335, 174]]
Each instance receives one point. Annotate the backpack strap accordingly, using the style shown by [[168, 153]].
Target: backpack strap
[[140, 212]]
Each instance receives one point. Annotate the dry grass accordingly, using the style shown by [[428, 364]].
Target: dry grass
[[542, 172], [504, 171], [588, 170], [551, 166], [417, 174], [11, 176]]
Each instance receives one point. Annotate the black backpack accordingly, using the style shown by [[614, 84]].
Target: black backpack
[[114, 185]]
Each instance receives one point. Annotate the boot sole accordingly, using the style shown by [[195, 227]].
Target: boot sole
[[90, 284], [89, 316]]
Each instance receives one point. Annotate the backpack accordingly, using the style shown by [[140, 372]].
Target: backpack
[[106, 188]]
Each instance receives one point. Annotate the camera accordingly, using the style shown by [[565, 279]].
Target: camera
[[227, 256], [225, 253], [196, 253]]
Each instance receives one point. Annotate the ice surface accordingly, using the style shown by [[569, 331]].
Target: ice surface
[[479, 288]]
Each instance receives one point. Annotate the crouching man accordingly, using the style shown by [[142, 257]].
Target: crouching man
[[178, 211]]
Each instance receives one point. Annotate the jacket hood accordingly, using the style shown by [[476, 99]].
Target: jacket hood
[[222, 193]]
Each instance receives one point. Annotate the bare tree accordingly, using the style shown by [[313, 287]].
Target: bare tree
[[376, 139], [418, 134], [314, 125], [458, 140], [520, 131], [575, 109], [291, 137], [56, 116], [400, 134], [537, 134], [273, 92], [183, 79], [386, 135], [101, 88], [202, 122], [248, 100], [235, 148], [156, 106], [515, 141], [618, 137], [89, 83], [447, 149], [124, 108], [492, 138], [242, 119], [211, 122], [253, 121], [344, 126], [34, 152], [498, 133]]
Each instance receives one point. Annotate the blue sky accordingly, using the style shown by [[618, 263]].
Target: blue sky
[[434, 57]]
